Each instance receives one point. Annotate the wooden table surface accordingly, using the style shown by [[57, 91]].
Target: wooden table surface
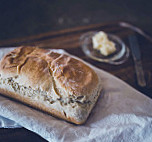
[[68, 40]]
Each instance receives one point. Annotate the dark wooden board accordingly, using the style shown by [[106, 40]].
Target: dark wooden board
[[68, 40]]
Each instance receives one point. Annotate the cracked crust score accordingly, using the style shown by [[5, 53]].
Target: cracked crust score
[[48, 72]]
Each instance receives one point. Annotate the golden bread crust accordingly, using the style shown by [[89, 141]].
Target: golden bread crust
[[39, 65]]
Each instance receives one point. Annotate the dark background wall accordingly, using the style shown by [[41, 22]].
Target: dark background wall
[[19, 18]]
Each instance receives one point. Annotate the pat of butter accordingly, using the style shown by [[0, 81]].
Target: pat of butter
[[103, 44]]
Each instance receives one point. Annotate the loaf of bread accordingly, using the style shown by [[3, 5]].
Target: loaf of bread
[[54, 83]]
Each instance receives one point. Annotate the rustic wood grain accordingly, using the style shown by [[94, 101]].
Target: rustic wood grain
[[68, 40]]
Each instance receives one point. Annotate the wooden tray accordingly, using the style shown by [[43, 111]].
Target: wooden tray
[[68, 40]]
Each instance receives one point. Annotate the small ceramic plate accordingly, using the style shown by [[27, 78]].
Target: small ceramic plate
[[118, 57]]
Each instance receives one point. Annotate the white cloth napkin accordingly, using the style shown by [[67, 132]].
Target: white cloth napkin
[[121, 114]]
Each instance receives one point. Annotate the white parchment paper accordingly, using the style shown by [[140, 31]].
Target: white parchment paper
[[121, 114]]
